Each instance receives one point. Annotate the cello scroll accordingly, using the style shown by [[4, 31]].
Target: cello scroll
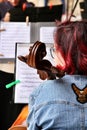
[[35, 59]]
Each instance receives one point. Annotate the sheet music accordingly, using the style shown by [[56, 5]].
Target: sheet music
[[46, 34], [29, 79], [14, 32]]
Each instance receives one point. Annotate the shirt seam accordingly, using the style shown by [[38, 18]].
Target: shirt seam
[[58, 102]]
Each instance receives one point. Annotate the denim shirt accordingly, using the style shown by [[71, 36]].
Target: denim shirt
[[54, 105]]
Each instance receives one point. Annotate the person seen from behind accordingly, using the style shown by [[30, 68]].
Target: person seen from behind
[[61, 104]]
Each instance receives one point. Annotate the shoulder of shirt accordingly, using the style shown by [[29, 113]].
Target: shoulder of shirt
[[33, 96], [41, 86]]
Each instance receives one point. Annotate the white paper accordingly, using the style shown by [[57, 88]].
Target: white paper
[[46, 34], [14, 32], [29, 79]]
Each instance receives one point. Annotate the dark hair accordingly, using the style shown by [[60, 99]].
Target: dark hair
[[71, 40]]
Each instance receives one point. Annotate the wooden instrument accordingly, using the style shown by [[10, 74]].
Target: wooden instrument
[[35, 59]]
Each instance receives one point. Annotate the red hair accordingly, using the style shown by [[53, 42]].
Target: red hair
[[71, 40]]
